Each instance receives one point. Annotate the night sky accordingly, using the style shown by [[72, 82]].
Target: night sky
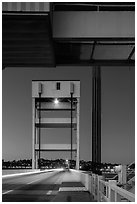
[[118, 112]]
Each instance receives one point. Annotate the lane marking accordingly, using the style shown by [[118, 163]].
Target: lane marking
[[72, 189], [33, 181], [7, 192], [17, 189], [33, 192], [50, 192], [24, 184], [58, 181]]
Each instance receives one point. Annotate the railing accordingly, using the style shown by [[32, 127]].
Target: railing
[[103, 191], [114, 178], [132, 180], [131, 164], [130, 175], [110, 192]]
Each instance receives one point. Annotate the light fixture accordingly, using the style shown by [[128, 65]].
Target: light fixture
[[56, 101]]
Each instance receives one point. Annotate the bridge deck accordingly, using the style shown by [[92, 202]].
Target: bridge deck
[[71, 190], [52, 186]]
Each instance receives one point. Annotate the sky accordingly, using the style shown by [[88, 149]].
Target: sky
[[118, 112]]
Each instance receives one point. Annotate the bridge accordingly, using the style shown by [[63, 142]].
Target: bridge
[[80, 38], [59, 185]]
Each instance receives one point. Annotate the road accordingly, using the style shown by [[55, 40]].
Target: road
[[30, 188], [43, 187]]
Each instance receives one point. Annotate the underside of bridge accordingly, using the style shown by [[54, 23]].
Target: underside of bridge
[[69, 34]]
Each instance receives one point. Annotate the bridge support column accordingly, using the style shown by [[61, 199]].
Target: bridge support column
[[33, 133], [36, 152], [96, 115], [78, 131]]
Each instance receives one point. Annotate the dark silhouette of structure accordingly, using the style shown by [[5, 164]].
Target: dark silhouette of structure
[[96, 115]]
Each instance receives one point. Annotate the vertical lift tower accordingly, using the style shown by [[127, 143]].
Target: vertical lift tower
[[55, 96]]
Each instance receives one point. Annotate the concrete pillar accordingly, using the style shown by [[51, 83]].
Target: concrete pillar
[[36, 152], [96, 115], [78, 132], [33, 133], [122, 174], [98, 187], [111, 194]]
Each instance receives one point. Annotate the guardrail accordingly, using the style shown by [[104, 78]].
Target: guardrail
[[103, 191], [110, 192]]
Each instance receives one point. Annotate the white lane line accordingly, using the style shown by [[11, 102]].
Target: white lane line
[[58, 181], [7, 192], [16, 189], [33, 181], [50, 192], [72, 189]]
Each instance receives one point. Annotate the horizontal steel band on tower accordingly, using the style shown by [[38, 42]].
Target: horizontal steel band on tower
[[55, 123], [51, 125], [55, 147], [51, 105]]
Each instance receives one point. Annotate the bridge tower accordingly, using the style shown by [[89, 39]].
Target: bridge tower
[[55, 96], [96, 114]]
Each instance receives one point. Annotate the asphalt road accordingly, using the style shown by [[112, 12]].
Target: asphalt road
[[54, 186], [32, 188]]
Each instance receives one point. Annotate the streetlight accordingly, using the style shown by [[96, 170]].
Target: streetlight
[[67, 164], [56, 101]]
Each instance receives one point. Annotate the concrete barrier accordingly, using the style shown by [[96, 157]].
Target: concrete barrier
[[84, 178], [103, 191]]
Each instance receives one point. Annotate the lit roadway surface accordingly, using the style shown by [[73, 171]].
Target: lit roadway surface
[[54, 186]]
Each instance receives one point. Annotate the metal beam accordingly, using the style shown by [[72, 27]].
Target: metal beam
[[56, 147], [51, 109], [35, 13], [104, 62], [54, 150], [55, 121], [98, 43], [93, 6], [85, 39], [97, 63]]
